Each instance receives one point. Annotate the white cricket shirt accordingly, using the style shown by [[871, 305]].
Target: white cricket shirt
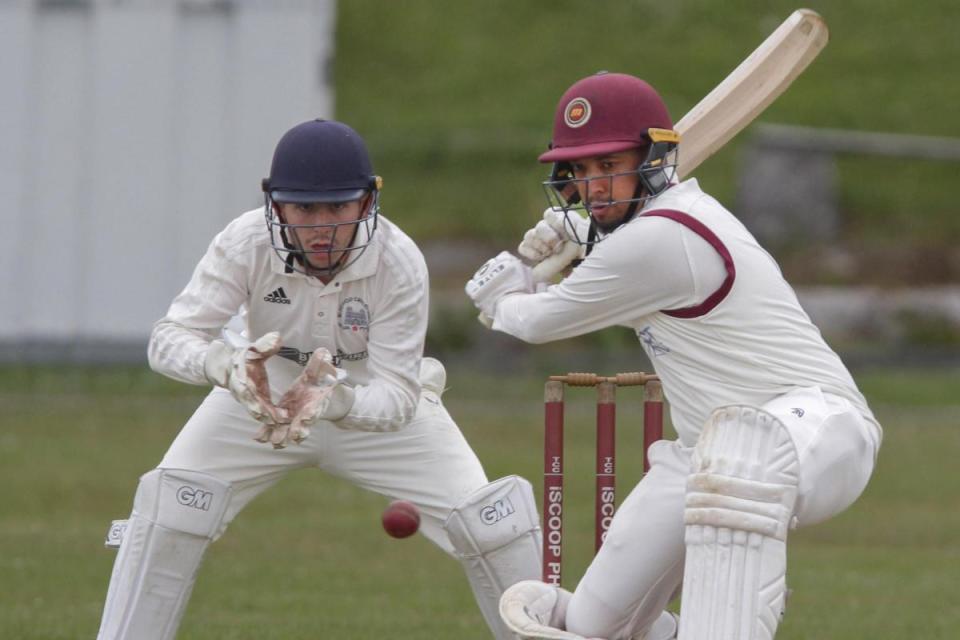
[[709, 304], [372, 316]]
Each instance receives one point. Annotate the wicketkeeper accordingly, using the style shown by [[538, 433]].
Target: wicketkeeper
[[329, 374], [773, 432]]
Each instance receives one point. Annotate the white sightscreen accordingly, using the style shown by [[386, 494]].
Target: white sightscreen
[[131, 133]]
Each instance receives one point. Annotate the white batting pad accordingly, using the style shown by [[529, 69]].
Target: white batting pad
[[739, 505], [175, 515], [535, 609], [495, 533]]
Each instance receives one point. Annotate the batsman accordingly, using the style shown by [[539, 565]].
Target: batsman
[[773, 433], [327, 372]]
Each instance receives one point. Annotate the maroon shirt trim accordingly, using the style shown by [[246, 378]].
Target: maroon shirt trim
[[700, 229]]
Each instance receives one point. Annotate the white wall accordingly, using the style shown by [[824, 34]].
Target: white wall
[[131, 132]]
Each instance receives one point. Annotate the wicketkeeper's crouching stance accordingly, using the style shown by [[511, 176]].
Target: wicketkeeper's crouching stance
[[335, 379], [772, 430]]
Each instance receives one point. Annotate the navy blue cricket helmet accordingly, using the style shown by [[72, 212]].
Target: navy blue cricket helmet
[[322, 161]]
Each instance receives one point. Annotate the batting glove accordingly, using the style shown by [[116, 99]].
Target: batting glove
[[498, 277], [555, 242], [243, 372], [548, 235]]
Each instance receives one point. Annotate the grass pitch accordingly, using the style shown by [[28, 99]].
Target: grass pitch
[[309, 560]]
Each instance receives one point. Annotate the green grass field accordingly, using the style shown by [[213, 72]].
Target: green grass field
[[309, 559]]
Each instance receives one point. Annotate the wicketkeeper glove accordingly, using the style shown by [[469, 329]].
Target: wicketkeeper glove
[[243, 372], [316, 394]]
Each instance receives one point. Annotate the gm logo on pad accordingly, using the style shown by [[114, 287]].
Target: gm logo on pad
[[196, 498], [496, 512]]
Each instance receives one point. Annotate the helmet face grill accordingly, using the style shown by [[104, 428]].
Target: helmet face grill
[[656, 173], [599, 116], [283, 237]]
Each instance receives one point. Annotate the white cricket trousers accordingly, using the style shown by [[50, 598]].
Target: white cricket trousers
[[639, 568]]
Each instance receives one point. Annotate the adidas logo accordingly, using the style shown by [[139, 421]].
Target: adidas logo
[[278, 295]]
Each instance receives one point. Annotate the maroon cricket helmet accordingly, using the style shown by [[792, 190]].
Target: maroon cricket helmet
[[605, 113]]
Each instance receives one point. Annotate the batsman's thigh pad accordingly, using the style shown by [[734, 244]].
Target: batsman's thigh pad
[[175, 516], [837, 449], [433, 376], [739, 505], [495, 533]]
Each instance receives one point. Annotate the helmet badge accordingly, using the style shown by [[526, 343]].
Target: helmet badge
[[577, 113]]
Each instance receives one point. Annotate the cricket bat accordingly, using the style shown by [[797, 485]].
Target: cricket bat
[[750, 88], [733, 104]]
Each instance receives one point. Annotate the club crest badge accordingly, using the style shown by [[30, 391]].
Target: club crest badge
[[577, 113], [354, 316]]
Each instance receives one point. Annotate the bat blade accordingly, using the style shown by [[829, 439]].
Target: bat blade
[[750, 88]]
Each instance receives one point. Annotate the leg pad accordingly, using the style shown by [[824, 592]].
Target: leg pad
[[175, 516], [739, 506], [495, 533]]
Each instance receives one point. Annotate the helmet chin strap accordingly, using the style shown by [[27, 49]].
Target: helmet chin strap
[[631, 212], [591, 239], [635, 205]]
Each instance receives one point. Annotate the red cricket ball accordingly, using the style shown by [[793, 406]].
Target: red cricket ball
[[400, 519]]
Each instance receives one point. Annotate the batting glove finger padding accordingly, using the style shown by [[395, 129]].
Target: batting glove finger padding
[[555, 264], [554, 242], [539, 242], [548, 236], [568, 224]]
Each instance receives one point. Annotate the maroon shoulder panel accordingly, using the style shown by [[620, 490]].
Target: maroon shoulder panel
[[704, 232]]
